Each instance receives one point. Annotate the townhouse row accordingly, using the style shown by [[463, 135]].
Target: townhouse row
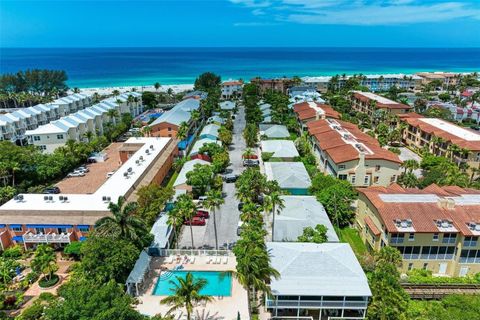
[[76, 126], [13, 125]]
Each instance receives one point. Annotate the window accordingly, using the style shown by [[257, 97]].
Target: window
[[377, 167], [409, 253], [438, 253], [17, 228], [60, 136], [366, 180], [435, 237], [341, 167], [342, 176], [39, 230], [62, 230], [470, 256], [411, 237], [169, 129], [36, 138], [83, 228], [397, 238], [470, 241], [353, 179], [449, 238]]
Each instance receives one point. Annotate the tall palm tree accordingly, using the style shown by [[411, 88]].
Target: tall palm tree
[[123, 222], [45, 261], [147, 131], [186, 294], [157, 86], [410, 165], [182, 132], [113, 114], [115, 93], [213, 202], [275, 200], [174, 220], [187, 210]]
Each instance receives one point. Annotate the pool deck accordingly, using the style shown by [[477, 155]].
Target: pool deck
[[221, 308]]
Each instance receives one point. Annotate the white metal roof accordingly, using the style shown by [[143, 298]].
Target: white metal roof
[[310, 269], [298, 213], [376, 97], [280, 148], [200, 143], [210, 129], [49, 128], [161, 232], [451, 128], [274, 131], [187, 167], [288, 174], [227, 105]]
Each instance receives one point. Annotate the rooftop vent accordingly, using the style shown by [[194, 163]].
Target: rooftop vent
[[106, 199], [137, 162], [404, 223], [444, 223], [141, 158], [151, 146], [473, 226], [129, 170], [125, 174], [18, 197], [147, 151]]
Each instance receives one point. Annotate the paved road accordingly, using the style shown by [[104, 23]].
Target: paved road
[[227, 216]]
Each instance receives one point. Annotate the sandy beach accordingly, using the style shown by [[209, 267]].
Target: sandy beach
[[108, 90]]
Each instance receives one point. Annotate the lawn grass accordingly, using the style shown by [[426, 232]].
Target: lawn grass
[[352, 237]]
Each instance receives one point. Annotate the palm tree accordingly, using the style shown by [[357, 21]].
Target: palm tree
[[410, 165], [88, 135], [76, 90], [45, 261], [174, 219], [157, 86], [113, 114], [96, 97], [213, 202], [182, 132], [115, 93], [123, 222], [247, 153], [186, 294], [147, 130], [187, 210], [275, 201]]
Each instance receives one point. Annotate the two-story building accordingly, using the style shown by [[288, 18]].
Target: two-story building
[[347, 153], [369, 103], [436, 228], [309, 111], [168, 123]]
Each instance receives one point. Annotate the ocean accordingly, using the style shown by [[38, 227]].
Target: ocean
[[105, 67]]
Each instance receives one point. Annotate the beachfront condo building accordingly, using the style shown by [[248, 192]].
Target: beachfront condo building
[[168, 124], [318, 281], [374, 82], [232, 89], [58, 219], [276, 84], [13, 125], [345, 152], [76, 126], [442, 138], [369, 103], [446, 78], [435, 228]]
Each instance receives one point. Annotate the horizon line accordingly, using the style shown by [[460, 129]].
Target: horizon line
[[241, 47]]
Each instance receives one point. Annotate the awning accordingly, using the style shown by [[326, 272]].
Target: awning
[[182, 145], [2, 225], [15, 226], [83, 226], [49, 226], [83, 238], [17, 238]]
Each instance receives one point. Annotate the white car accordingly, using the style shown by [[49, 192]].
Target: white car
[[109, 174], [76, 174]]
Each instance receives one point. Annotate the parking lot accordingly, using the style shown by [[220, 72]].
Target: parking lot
[[96, 176], [227, 216]]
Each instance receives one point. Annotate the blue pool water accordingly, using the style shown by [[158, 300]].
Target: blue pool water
[[218, 283]]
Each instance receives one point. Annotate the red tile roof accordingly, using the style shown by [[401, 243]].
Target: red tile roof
[[233, 83], [424, 214], [332, 142], [471, 145], [304, 111], [372, 226]]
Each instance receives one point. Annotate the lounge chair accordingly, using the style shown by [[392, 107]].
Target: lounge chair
[[192, 260], [217, 260], [225, 260], [169, 260], [209, 260]]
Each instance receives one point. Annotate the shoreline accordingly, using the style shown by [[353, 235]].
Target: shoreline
[[177, 88]]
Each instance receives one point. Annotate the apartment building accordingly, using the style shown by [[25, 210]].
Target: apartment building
[[309, 111], [347, 153], [232, 88], [276, 84], [30, 219], [442, 138], [374, 82], [446, 78], [436, 228], [168, 123], [369, 103], [75, 126]]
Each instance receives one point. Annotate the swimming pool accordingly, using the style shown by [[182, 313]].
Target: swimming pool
[[218, 283]]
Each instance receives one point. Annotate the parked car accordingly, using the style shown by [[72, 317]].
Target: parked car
[[250, 163], [230, 178], [239, 227], [76, 174], [51, 190], [83, 169], [109, 174], [202, 214], [202, 198], [196, 221]]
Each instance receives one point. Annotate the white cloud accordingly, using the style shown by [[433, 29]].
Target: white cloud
[[364, 12]]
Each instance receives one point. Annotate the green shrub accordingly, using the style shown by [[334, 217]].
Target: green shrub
[[394, 150], [73, 249], [420, 276], [44, 283], [14, 252], [266, 156]]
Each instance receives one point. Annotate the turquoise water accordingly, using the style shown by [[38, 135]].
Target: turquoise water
[[104, 67], [218, 283]]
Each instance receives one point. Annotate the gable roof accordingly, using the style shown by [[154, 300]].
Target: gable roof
[[210, 129], [280, 148], [181, 112], [310, 269], [289, 175], [274, 131], [187, 167], [309, 109]]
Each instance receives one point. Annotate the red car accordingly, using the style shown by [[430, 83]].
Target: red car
[[196, 221], [202, 214]]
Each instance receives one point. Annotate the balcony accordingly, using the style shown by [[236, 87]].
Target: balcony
[[316, 304], [46, 238]]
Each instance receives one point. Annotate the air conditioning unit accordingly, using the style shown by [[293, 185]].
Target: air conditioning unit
[[50, 198], [104, 198], [45, 198], [151, 146], [125, 174], [129, 169], [147, 151], [137, 162], [109, 199], [60, 198], [65, 198]]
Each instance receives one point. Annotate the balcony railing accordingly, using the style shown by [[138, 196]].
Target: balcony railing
[[46, 238], [316, 304]]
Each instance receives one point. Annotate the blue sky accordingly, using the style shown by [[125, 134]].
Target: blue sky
[[324, 23]]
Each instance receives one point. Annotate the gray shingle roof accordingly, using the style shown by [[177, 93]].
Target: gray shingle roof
[[288, 174], [280, 148], [274, 131]]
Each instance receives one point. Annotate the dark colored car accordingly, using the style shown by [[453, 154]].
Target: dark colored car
[[240, 206], [51, 190], [250, 163], [230, 178], [202, 214], [196, 221]]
